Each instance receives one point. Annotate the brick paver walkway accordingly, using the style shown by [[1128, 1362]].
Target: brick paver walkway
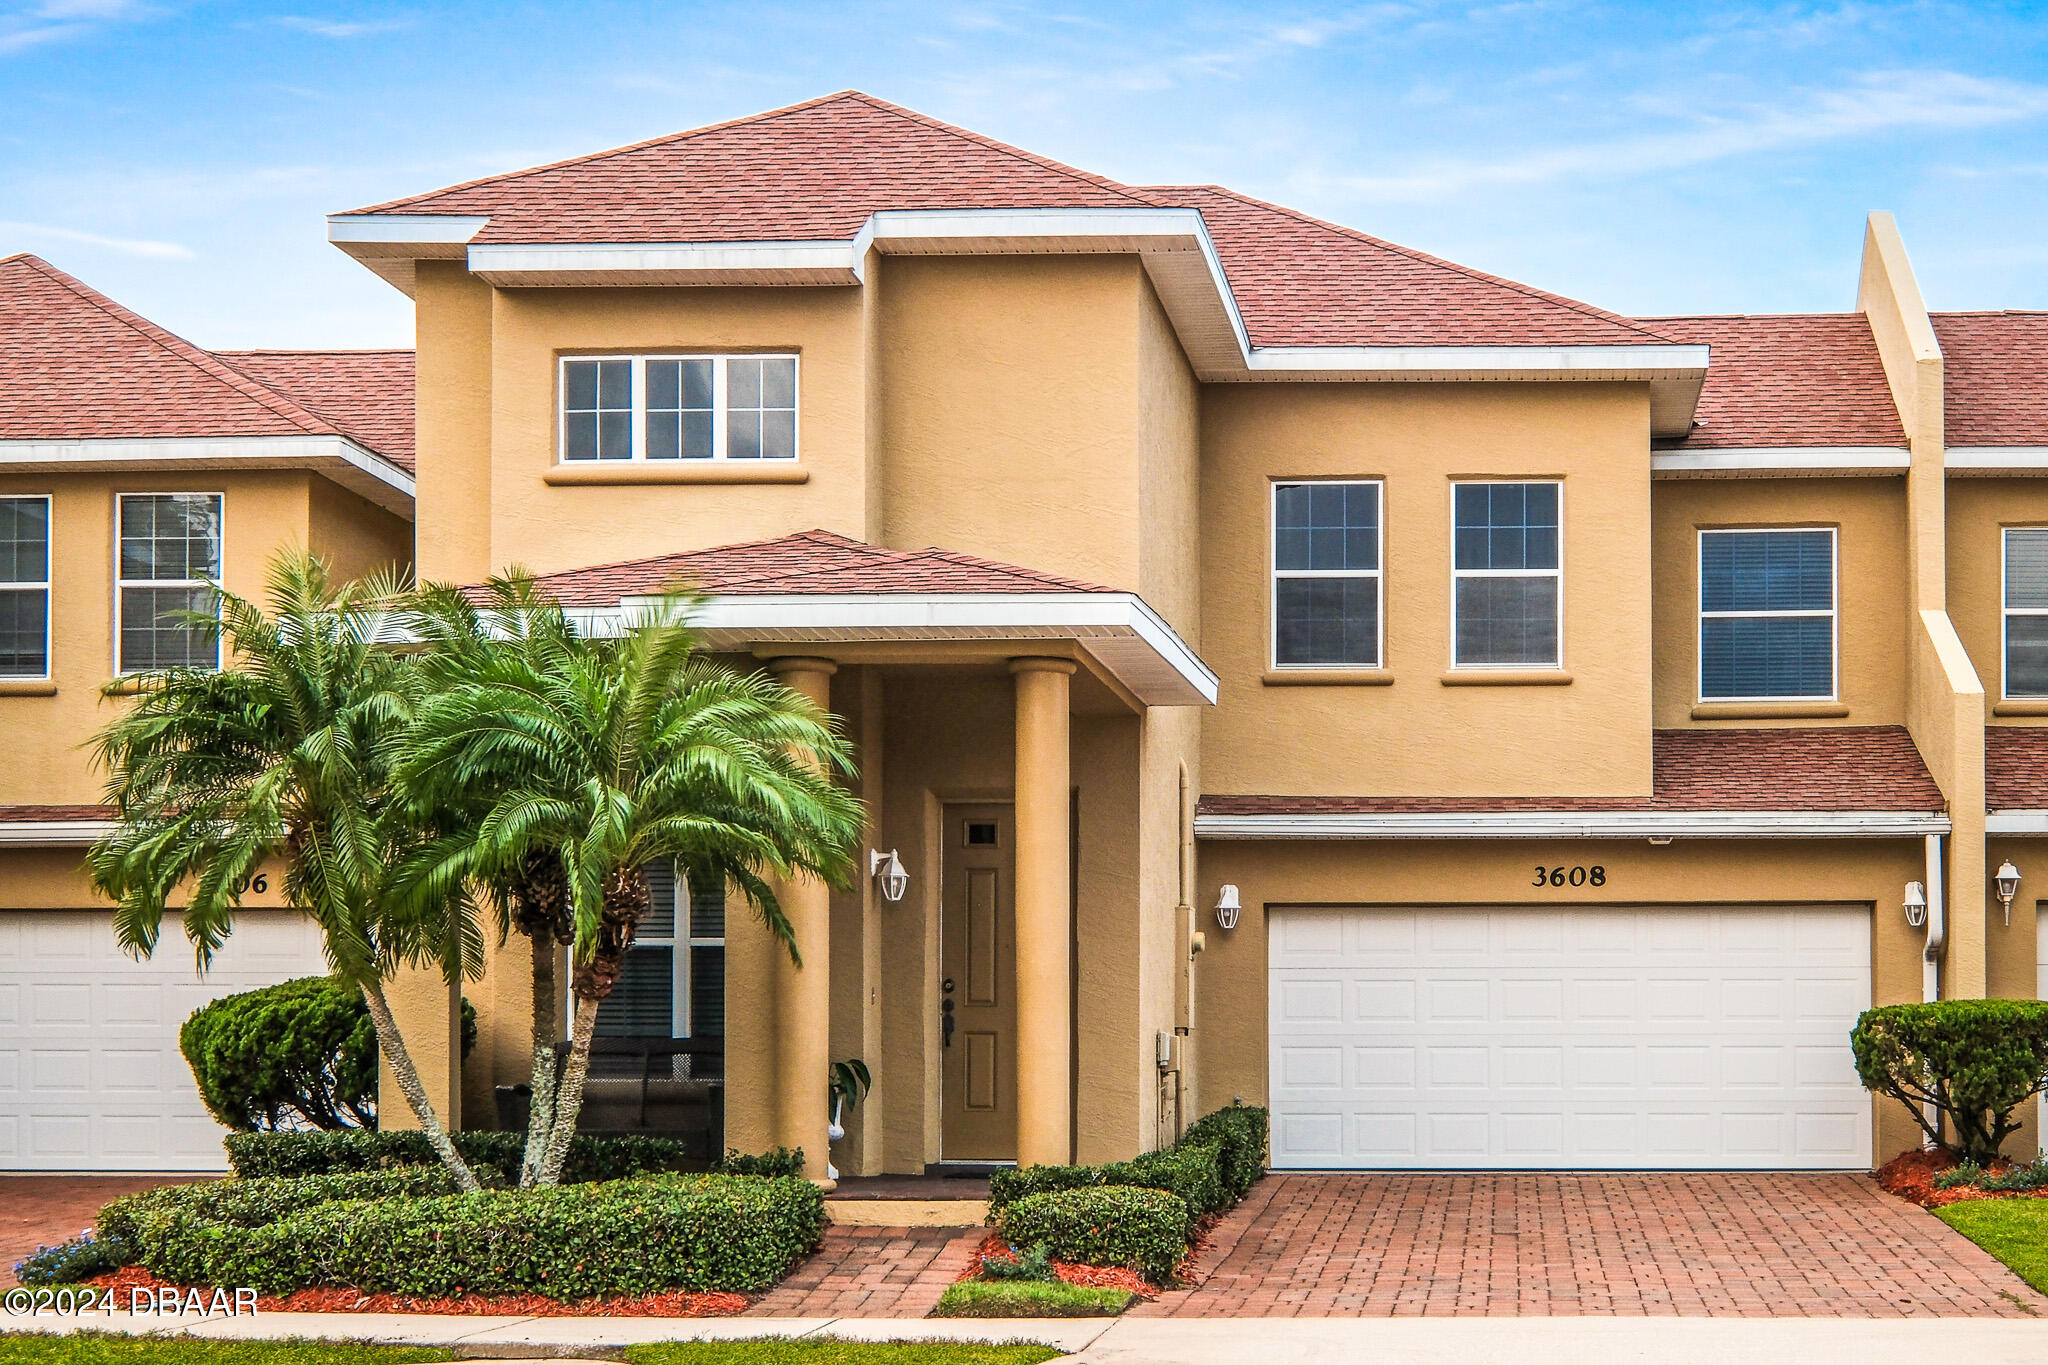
[[42, 1210], [1745, 1245], [873, 1272]]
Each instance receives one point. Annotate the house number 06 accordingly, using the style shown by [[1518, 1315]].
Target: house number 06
[[1595, 875]]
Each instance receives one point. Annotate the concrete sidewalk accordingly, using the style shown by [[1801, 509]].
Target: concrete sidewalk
[[1212, 1341]]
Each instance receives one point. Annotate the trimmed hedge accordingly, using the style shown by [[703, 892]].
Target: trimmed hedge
[[623, 1237], [1111, 1225], [1976, 1061], [591, 1157], [1239, 1130], [1191, 1173]]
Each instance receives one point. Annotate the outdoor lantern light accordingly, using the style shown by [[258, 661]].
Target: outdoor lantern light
[[1916, 904], [887, 870], [1226, 906], [2008, 880]]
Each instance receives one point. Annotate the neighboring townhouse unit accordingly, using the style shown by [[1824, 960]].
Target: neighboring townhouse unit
[[1492, 731]]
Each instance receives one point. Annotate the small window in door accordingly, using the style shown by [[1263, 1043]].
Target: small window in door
[[981, 834]]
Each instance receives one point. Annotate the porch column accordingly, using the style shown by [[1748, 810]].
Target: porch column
[[1043, 896], [803, 995]]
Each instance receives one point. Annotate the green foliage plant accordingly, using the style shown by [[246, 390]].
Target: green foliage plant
[[1029, 1299], [1110, 1225], [1975, 1061]]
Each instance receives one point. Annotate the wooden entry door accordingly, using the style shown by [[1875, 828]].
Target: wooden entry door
[[978, 982]]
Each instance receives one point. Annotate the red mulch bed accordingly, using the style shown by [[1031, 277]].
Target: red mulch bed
[[676, 1304], [1092, 1276], [1910, 1175]]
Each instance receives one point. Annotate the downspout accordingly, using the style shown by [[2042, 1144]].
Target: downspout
[[1937, 924]]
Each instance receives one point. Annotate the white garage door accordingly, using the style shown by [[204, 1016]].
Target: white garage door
[[1567, 1038], [91, 1078]]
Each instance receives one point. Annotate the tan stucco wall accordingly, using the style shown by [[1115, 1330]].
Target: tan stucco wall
[[452, 422], [1978, 511], [1231, 1010], [1485, 740], [1869, 518], [355, 536]]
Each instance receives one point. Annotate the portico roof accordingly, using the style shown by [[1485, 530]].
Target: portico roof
[[819, 588]]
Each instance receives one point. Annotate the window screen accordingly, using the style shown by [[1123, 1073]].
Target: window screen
[[1767, 614], [1506, 589], [1326, 575], [2026, 611], [169, 552], [24, 587]]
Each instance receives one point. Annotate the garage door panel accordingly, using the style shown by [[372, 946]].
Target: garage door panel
[[1734, 1054]]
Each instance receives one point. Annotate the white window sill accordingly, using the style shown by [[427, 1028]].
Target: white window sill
[[614, 472], [1769, 710]]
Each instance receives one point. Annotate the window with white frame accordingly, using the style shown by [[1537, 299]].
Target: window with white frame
[[1507, 580], [1326, 574], [678, 407], [2026, 611], [1767, 614], [169, 552], [24, 587], [673, 982]]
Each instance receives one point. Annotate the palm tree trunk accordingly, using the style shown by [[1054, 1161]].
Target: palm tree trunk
[[569, 1101], [408, 1078], [540, 1119]]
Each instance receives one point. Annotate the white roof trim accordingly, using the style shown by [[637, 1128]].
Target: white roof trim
[[1577, 824], [1997, 457], [1117, 629], [1784, 459], [353, 466], [2016, 822], [1174, 244], [52, 833]]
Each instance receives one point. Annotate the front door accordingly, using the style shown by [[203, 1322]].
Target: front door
[[977, 986]]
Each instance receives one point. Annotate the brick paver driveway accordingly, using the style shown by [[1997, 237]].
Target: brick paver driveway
[[874, 1273], [42, 1210], [1758, 1245]]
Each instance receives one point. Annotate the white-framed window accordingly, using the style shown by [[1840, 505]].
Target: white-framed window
[[167, 552], [25, 587], [673, 983], [2025, 611], [1767, 614], [1327, 539], [1507, 577], [678, 407]]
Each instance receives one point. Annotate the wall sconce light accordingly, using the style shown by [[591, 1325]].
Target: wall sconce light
[[2007, 879], [1226, 906], [1916, 904], [887, 870]]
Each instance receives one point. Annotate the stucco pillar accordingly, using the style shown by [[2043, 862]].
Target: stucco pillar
[[1044, 890], [803, 995]]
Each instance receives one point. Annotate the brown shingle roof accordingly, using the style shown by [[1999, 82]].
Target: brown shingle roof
[[1996, 371], [1841, 768], [808, 562], [75, 365], [42, 815], [816, 171], [369, 394], [1796, 379], [2016, 767]]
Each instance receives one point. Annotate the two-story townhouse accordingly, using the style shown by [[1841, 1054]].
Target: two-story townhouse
[[134, 469], [1493, 731]]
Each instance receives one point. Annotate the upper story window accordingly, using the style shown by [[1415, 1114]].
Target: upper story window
[[690, 407], [1767, 615], [2026, 611], [1506, 553], [1326, 575], [673, 984], [170, 549], [24, 587]]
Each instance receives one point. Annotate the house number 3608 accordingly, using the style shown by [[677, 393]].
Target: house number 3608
[[1595, 875]]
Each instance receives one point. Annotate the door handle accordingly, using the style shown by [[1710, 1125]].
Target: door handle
[[946, 1021]]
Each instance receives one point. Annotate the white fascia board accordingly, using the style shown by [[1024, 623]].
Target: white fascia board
[[285, 451], [508, 261], [1997, 457], [2016, 822], [1570, 824], [53, 833], [402, 229], [1649, 361], [972, 225], [1762, 459]]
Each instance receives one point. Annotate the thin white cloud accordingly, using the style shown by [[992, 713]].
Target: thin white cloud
[[1881, 102], [54, 21], [339, 28], [131, 246]]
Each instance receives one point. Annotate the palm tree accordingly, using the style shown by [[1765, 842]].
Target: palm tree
[[587, 759], [285, 754]]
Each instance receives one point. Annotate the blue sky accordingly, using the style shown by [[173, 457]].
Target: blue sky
[[1647, 157]]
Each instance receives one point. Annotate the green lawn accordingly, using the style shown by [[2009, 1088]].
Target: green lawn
[[1029, 1299], [2013, 1230], [100, 1348], [832, 1351]]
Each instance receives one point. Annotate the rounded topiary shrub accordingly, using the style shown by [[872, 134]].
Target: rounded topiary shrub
[[1975, 1061], [1109, 1225]]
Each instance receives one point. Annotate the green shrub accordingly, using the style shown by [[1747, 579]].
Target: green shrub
[[1028, 1299], [1239, 1131], [73, 1262], [2032, 1176], [1191, 1173], [592, 1156], [302, 1051], [1112, 1225], [1031, 1263], [1975, 1061], [777, 1161]]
